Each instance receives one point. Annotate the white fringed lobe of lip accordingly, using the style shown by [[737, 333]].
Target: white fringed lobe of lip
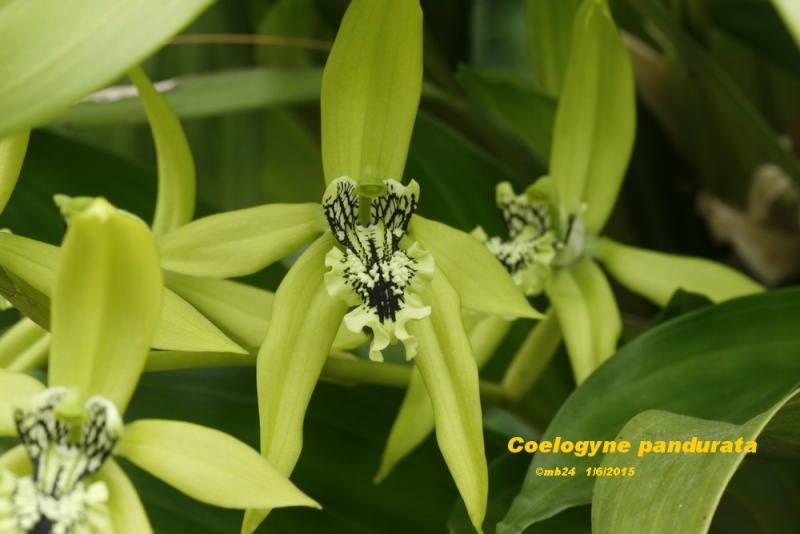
[[373, 273], [55, 497]]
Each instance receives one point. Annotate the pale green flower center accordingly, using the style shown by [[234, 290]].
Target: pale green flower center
[[373, 273], [55, 499]]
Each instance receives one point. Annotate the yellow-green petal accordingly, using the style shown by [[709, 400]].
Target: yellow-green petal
[[124, 506], [371, 89], [16, 461], [176, 175], [241, 242], [12, 153], [291, 359], [480, 280], [790, 11], [656, 276], [33, 261], [13, 387], [445, 361], [24, 346], [106, 304], [595, 121], [575, 319], [222, 471], [602, 307]]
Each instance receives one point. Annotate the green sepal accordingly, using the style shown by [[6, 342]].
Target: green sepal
[[480, 280], [291, 360], [31, 260], [240, 310], [14, 387], [790, 12], [223, 471], [97, 41], [371, 89], [241, 242], [447, 367], [16, 461], [602, 307], [575, 320], [106, 304], [12, 154], [176, 174], [124, 506], [24, 346], [596, 118], [656, 276]]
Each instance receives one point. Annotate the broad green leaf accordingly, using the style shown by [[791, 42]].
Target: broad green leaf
[[575, 320], [371, 89], [656, 276], [201, 95], [240, 242], [532, 357], [24, 346], [790, 11], [602, 307], [182, 327], [514, 104], [97, 41], [106, 304], [124, 506], [176, 178], [223, 471], [675, 492], [290, 360], [595, 122], [549, 25], [240, 310], [480, 280], [14, 387], [12, 153], [686, 366], [450, 374]]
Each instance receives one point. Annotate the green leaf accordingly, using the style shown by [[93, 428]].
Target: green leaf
[[549, 26], [224, 471], [290, 360], [24, 346], [480, 280], [176, 178], [447, 367], [203, 95], [12, 153], [240, 310], [106, 304], [596, 118], [690, 482], [656, 276], [124, 506], [371, 89], [241, 242], [686, 366], [13, 387], [97, 41], [790, 11], [514, 104]]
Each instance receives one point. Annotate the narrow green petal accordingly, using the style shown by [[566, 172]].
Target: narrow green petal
[[240, 310], [176, 176], [371, 89], [12, 153], [172, 360], [656, 276], [575, 320], [33, 261], [481, 281], [790, 11], [182, 327], [602, 306], [14, 386], [291, 359], [24, 346], [445, 361], [595, 121], [16, 461], [241, 242], [223, 471], [106, 304], [124, 506], [532, 357]]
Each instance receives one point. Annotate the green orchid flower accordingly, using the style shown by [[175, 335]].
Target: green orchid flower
[[105, 311], [554, 227]]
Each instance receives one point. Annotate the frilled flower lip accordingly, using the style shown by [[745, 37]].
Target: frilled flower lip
[[373, 274]]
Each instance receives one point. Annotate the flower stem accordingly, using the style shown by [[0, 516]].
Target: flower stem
[[532, 357]]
